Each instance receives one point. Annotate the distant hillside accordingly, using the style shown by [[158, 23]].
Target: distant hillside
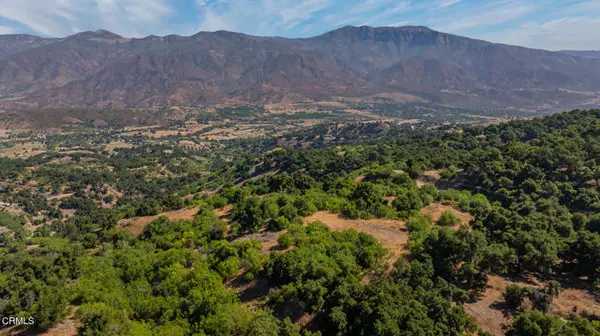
[[102, 69]]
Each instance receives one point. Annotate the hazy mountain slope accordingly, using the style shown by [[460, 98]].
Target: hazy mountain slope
[[595, 54], [106, 70], [13, 44]]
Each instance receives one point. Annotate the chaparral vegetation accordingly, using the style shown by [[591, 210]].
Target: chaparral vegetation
[[355, 229]]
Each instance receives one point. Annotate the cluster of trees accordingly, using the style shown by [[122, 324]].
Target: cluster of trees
[[536, 323], [533, 191], [275, 211], [514, 295], [168, 281], [324, 275], [541, 178]]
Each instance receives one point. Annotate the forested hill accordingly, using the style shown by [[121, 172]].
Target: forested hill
[[530, 187]]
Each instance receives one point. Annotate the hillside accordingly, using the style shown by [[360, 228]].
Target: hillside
[[102, 69], [414, 231]]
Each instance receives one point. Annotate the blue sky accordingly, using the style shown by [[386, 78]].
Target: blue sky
[[547, 24]]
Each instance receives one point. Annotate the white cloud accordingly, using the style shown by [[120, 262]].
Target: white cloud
[[448, 3], [566, 33], [63, 17], [7, 30], [398, 24]]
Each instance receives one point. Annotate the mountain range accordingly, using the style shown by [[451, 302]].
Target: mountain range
[[104, 70]]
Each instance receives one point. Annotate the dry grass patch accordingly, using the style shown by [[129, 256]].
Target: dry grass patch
[[389, 200], [67, 213], [429, 177], [60, 196], [232, 133], [359, 179], [23, 151], [492, 316], [390, 233], [137, 225], [224, 213], [435, 210], [117, 144]]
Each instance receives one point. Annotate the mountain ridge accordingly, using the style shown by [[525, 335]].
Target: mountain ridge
[[103, 69], [595, 54]]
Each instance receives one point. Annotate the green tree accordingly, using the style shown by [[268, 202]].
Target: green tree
[[514, 296], [447, 218]]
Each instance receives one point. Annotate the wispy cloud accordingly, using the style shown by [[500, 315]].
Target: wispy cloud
[[448, 3], [584, 7], [367, 6], [292, 16], [400, 7], [61, 17], [505, 12], [564, 33], [371, 12], [258, 17], [541, 23]]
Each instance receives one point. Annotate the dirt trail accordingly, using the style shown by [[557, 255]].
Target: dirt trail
[[67, 327]]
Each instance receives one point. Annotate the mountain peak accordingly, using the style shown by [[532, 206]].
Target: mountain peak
[[351, 33], [98, 34]]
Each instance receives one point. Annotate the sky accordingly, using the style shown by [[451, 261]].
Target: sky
[[544, 24]]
